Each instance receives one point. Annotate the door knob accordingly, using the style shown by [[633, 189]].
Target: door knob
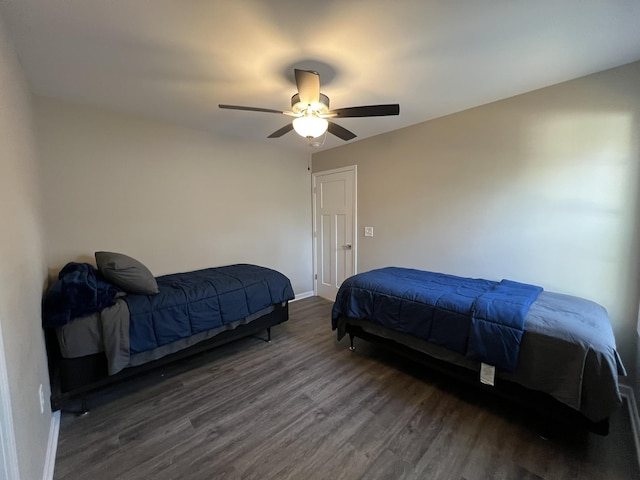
[[347, 247]]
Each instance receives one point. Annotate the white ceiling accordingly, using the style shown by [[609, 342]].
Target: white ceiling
[[176, 60]]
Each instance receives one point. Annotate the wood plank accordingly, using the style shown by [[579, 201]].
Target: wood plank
[[304, 406]]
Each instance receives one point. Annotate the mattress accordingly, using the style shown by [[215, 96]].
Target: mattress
[[481, 319], [190, 307], [567, 351]]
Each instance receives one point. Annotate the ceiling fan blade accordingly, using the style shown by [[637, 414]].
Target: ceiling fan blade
[[308, 86], [340, 132], [366, 111], [251, 109], [278, 133]]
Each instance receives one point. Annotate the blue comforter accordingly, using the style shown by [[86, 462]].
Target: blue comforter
[[79, 291], [481, 319], [193, 302]]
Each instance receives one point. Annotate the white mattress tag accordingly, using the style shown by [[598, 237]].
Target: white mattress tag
[[487, 374]]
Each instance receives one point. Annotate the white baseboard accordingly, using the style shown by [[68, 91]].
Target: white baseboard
[[52, 447], [302, 295], [628, 394]]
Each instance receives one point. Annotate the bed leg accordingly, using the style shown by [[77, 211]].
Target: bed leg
[[545, 428], [351, 347], [84, 408], [81, 412], [268, 334]]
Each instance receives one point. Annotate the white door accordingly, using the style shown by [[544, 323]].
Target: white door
[[334, 229]]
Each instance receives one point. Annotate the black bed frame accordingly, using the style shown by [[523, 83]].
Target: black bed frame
[[74, 378], [549, 411]]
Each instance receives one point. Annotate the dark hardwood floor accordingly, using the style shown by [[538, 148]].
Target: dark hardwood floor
[[305, 407]]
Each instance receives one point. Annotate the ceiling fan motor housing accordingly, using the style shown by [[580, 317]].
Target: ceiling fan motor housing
[[321, 107]]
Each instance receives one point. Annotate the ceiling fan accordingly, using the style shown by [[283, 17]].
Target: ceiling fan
[[311, 113]]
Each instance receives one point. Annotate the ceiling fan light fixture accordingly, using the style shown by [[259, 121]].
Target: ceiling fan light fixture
[[310, 126]]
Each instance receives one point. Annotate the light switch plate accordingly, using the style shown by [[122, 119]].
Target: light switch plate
[[368, 231]]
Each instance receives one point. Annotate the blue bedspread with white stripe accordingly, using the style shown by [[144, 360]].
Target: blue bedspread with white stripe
[[481, 319]]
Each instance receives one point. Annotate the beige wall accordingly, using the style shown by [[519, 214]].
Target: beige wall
[[540, 188], [22, 272], [176, 199]]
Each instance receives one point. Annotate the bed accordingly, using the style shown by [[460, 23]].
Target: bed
[[108, 323], [553, 353]]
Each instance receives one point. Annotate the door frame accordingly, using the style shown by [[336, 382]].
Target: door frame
[[350, 168], [9, 467]]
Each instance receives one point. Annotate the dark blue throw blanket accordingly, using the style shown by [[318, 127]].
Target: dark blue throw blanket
[[78, 292], [481, 319], [193, 302]]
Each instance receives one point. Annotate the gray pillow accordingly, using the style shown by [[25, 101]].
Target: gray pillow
[[126, 273]]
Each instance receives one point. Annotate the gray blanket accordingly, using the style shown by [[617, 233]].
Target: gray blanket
[[108, 332]]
